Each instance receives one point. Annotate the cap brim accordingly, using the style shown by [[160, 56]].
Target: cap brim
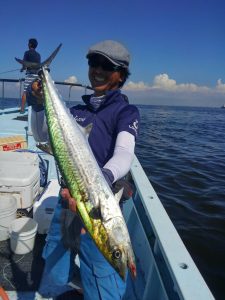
[[116, 63]]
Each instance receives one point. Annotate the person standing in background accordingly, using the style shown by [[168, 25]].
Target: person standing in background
[[30, 55]]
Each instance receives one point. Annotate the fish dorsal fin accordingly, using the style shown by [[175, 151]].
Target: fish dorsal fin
[[45, 147], [86, 130], [119, 195]]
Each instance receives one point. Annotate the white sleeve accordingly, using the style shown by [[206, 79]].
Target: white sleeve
[[39, 126], [120, 163]]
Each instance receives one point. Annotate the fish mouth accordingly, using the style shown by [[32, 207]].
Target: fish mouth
[[123, 271], [133, 270]]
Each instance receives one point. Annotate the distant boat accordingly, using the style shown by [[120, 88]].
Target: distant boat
[[223, 106]]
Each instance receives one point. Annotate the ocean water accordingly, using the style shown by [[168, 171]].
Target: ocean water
[[182, 150]]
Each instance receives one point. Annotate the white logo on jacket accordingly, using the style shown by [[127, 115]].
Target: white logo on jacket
[[134, 126], [78, 119]]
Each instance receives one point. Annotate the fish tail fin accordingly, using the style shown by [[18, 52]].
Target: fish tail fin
[[37, 66]]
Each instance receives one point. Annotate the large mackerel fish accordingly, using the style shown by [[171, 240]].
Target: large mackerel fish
[[97, 206]]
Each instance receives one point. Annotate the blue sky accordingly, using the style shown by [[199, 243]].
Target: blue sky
[[177, 47]]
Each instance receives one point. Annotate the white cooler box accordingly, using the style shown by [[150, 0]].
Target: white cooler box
[[25, 158], [20, 177], [44, 208]]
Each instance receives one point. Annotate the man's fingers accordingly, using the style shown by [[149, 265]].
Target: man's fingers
[[65, 193], [71, 201], [72, 204]]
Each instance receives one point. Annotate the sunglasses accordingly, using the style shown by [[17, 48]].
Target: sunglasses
[[106, 65]]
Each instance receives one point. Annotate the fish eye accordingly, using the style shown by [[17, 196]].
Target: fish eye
[[116, 254]]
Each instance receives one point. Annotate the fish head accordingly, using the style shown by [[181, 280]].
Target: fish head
[[122, 256], [123, 259]]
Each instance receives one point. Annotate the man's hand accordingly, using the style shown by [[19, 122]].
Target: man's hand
[[65, 194], [37, 92], [128, 189], [71, 201]]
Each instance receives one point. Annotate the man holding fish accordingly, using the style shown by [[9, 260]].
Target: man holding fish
[[111, 125]]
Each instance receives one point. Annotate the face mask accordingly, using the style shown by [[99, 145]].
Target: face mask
[[96, 102]]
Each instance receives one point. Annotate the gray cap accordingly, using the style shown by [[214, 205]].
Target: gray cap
[[113, 51]]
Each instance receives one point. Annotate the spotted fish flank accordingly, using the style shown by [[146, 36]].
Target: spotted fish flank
[[96, 204]]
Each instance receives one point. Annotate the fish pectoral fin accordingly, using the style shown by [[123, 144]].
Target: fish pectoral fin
[[86, 130], [119, 195], [45, 147]]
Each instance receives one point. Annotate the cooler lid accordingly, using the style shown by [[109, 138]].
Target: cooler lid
[[18, 175], [19, 157]]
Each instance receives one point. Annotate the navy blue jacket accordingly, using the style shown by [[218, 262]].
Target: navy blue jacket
[[112, 117], [32, 55]]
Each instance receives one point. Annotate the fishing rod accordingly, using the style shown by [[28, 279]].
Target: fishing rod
[[9, 71]]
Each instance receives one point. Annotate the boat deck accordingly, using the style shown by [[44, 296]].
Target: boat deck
[[19, 272], [12, 122], [23, 272]]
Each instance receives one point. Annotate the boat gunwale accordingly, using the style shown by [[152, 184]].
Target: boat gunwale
[[188, 281]]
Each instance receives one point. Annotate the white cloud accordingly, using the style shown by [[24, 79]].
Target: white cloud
[[136, 86], [71, 79], [220, 86], [162, 82]]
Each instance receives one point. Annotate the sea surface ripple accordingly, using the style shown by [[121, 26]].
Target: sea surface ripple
[[182, 150]]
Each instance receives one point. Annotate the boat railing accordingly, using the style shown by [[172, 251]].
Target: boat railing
[[179, 276], [21, 81]]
